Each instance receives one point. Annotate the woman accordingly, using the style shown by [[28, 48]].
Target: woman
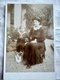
[[35, 49], [37, 31]]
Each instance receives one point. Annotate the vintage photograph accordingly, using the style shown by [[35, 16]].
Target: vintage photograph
[[29, 38]]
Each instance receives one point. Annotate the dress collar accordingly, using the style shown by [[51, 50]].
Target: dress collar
[[36, 28]]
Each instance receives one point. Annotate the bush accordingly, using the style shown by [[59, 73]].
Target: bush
[[12, 34]]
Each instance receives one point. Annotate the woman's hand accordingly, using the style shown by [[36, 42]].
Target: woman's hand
[[34, 41]]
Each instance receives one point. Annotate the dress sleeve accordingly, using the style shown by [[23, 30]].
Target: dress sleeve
[[41, 36]]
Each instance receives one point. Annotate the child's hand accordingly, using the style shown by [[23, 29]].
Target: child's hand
[[26, 40], [30, 38]]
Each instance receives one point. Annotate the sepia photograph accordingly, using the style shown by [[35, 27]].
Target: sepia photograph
[[29, 38]]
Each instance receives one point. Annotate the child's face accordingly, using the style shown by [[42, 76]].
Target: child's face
[[36, 22]]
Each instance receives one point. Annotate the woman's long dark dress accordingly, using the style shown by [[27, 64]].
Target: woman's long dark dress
[[36, 50]]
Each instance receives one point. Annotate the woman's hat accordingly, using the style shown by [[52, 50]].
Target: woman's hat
[[38, 19]]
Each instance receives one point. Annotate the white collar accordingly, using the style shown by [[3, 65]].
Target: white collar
[[37, 27]]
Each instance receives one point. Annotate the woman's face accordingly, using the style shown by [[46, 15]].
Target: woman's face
[[36, 22]]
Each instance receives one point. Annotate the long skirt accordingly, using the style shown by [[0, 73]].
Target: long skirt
[[34, 53]]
